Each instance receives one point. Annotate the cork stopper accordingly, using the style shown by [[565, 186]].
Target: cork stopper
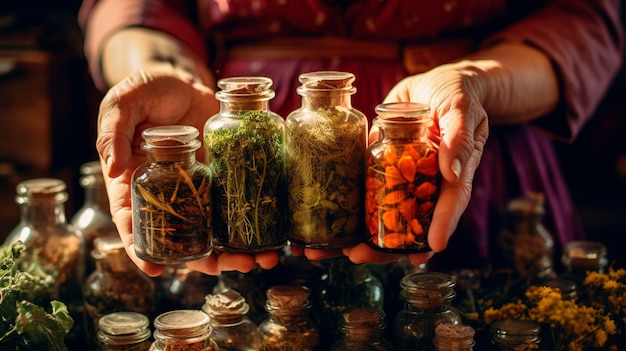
[[287, 298], [226, 307]]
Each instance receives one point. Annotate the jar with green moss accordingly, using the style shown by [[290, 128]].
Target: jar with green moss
[[244, 144], [326, 140]]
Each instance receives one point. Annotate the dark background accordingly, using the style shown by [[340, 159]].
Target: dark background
[[48, 109]]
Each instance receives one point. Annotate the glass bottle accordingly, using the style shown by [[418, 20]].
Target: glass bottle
[[526, 245], [454, 337], [325, 139], [183, 330], [232, 329], [362, 330], [171, 198], [402, 178], [515, 335], [93, 219], [288, 326], [245, 149], [116, 284], [582, 256], [427, 298], [124, 331], [59, 246], [345, 285], [181, 288]]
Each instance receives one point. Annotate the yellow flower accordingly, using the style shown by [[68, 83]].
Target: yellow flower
[[600, 338]]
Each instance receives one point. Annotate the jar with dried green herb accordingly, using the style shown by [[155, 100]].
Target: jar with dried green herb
[[56, 244], [183, 330], [116, 284], [288, 326], [124, 331], [326, 139], [171, 198], [402, 179], [245, 149]]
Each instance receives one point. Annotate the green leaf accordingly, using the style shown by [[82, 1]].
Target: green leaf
[[42, 329]]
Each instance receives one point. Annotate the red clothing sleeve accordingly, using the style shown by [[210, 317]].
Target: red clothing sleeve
[[100, 18], [585, 41]]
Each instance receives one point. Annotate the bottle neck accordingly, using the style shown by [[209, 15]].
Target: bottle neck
[[96, 197], [158, 157], [328, 99], [240, 105], [43, 212]]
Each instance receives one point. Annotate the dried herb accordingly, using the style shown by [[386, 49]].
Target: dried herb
[[247, 164], [25, 324], [203, 345], [173, 214], [402, 186], [325, 177]]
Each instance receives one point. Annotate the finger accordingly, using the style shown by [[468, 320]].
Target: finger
[[267, 260], [207, 265], [320, 254], [123, 221], [420, 258], [296, 250], [234, 261], [363, 253]]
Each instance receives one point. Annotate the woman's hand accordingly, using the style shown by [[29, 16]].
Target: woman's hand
[[143, 100]]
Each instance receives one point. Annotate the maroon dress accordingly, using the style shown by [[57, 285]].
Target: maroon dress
[[383, 41]]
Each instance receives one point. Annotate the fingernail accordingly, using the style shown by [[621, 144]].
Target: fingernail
[[456, 168]]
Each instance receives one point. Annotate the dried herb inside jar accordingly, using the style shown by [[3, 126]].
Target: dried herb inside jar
[[173, 212], [325, 177], [248, 182]]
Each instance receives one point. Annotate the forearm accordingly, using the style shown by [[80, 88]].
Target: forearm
[[133, 49], [514, 82]]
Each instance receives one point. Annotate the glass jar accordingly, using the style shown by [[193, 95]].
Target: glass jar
[[288, 326], [326, 139], [567, 288], [232, 329], [183, 330], [116, 284], [515, 335], [59, 246], [582, 256], [526, 245], [245, 149], [345, 285], [402, 178], [181, 288], [93, 219], [171, 198], [124, 331], [454, 337], [427, 298], [362, 330]]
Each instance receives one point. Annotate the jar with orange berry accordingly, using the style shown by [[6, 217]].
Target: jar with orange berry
[[402, 178]]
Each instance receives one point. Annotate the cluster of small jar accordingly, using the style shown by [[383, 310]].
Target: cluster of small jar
[[267, 179]]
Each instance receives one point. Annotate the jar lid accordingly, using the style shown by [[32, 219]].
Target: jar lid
[[366, 317], [287, 297], [566, 287], [584, 249], [41, 188], [172, 135], [245, 88], [106, 245], [122, 323], [182, 322], [515, 328], [227, 302], [91, 174], [326, 80], [427, 289]]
